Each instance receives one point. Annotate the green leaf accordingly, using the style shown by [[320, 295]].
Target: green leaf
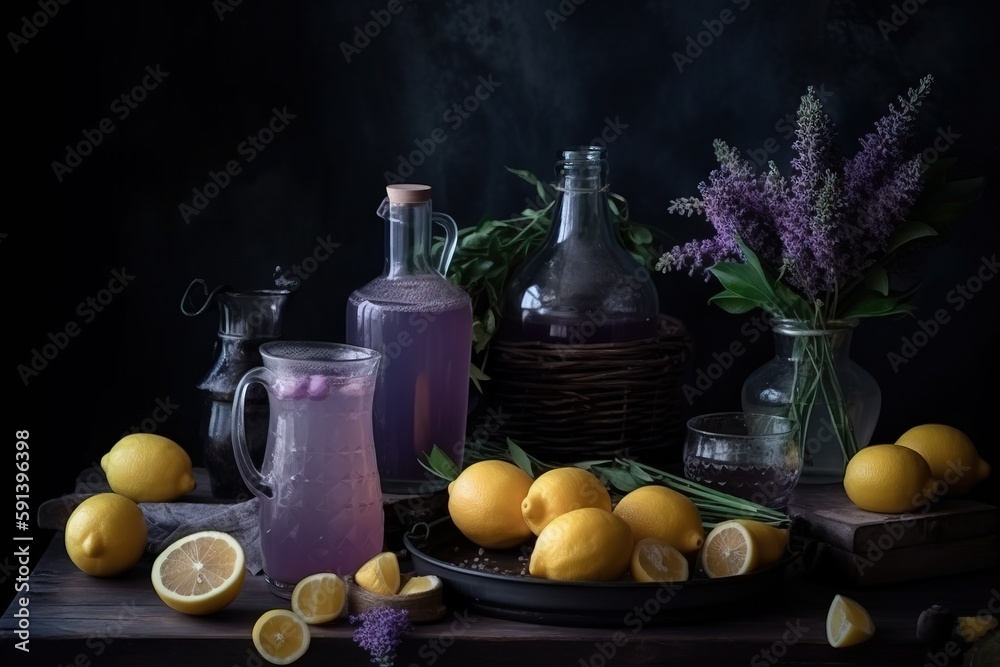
[[878, 280], [640, 235], [619, 479], [439, 463], [873, 304], [520, 458], [734, 303], [523, 173], [743, 280], [639, 473], [907, 232], [965, 190]]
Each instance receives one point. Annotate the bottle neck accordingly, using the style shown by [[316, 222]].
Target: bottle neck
[[581, 209], [408, 240]]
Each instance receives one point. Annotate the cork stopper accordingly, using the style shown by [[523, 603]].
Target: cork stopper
[[408, 193]]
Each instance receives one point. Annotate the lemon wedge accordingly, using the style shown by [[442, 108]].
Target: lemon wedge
[[320, 598], [847, 623]]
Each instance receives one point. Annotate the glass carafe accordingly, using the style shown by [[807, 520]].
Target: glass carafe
[[581, 285], [421, 323], [246, 320]]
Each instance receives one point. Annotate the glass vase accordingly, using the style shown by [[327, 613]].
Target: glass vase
[[813, 379]]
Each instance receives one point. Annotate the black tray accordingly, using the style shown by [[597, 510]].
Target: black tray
[[495, 583]]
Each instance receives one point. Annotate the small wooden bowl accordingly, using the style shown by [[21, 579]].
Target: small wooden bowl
[[423, 607]]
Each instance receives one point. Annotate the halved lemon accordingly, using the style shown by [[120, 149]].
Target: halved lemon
[[729, 550], [656, 560], [420, 584], [380, 575], [319, 598], [201, 573], [847, 623], [281, 636]]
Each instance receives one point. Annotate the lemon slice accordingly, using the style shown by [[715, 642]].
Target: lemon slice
[[847, 623], [655, 560], [319, 598], [201, 573], [420, 585], [281, 636], [380, 575], [730, 549]]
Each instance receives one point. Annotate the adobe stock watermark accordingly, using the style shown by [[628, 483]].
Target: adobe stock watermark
[[121, 107], [454, 116], [952, 649], [566, 9], [578, 334], [31, 24], [900, 16], [304, 268], [958, 297], [162, 410], [88, 310], [364, 33], [223, 7], [876, 547], [248, 149], [706, 377], [695, 45], [635, 620], [99, 642], [433, 649], [419, 503], [773, 654]]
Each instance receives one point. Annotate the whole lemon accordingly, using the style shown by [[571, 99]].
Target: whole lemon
[[587, 544], [888, 478], [105, 535], [148, 468], [562, 490], [660, 512], [955, 463], [484, 501]]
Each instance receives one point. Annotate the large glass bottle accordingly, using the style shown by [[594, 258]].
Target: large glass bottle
[[422, 325], [581, 286]]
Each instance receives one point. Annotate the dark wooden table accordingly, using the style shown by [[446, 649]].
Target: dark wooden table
[[80, 620], [75, 619]]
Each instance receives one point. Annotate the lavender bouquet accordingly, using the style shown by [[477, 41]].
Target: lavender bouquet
[[820, 244], [380, 631]]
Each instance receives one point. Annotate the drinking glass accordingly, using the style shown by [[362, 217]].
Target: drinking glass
[[753, 456]]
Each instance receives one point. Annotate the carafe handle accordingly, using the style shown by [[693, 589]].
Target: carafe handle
[[450, 241], [248, 471]]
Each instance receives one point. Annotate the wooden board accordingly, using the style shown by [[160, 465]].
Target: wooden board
[[876, 567], [832, 518]]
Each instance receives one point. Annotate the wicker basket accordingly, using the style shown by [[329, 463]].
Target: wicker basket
[[567, 403], [425, 607]]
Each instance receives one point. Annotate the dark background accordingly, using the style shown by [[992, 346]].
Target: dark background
[[324, 175]]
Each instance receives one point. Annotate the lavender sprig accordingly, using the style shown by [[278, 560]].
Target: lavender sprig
[[380, 632]]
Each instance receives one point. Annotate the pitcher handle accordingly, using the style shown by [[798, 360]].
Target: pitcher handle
[[248, 471], [450, 240]]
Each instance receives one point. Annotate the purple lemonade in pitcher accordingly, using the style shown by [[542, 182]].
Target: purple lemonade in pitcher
[[422, 325]]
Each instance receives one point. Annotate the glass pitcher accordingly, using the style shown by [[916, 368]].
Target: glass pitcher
[[421, 323], [320, 501], [247, 318]]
